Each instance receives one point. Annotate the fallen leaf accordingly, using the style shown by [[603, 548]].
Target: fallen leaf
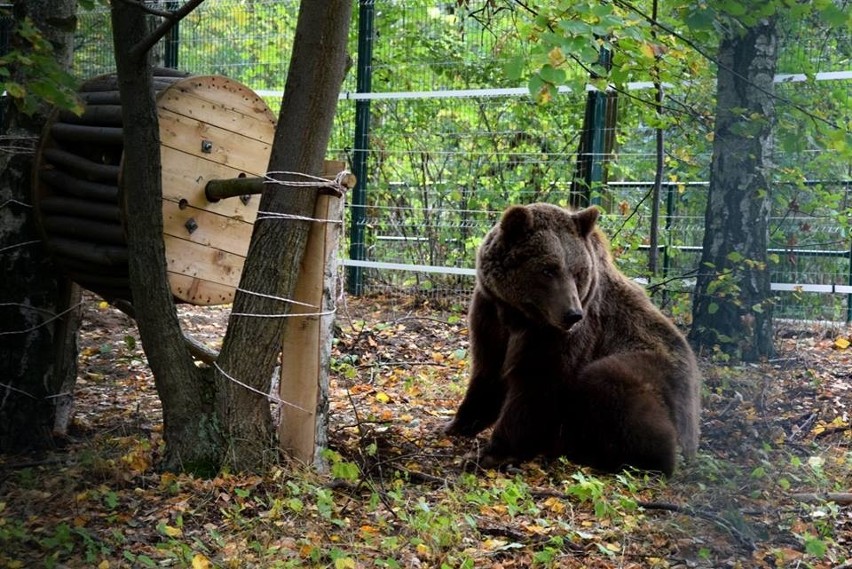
[[171, 531]]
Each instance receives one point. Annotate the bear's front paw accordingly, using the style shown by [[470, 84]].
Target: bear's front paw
[[485, 460], [456, 428]]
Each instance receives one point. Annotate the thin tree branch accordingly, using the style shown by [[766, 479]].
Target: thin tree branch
[[171, 20], [703, 53], [841, 498]]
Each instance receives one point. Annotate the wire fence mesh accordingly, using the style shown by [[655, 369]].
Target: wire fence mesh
[[451, 142]]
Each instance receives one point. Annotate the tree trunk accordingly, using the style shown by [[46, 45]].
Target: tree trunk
[[40, 312], [190, 430], [732, 309], [252, 344]]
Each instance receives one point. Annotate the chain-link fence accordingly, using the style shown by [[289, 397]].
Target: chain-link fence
[[442, 142]]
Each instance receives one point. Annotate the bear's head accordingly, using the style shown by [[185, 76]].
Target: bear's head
[[542, 262]]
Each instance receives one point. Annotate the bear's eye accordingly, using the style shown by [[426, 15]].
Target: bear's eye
[[550, 271]]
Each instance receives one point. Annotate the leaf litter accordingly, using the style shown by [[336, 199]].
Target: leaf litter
[[772, 486]]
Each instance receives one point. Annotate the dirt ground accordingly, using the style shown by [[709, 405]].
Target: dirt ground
[[771, 487]]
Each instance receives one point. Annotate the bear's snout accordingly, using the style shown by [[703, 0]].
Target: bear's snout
[[571, 317]]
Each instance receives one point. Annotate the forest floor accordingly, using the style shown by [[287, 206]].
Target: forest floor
[[770, 488]]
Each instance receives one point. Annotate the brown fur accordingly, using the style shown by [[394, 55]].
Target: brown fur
[[569, 357]]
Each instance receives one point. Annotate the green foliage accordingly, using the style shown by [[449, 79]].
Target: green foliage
[[441, 170], [31, 75]]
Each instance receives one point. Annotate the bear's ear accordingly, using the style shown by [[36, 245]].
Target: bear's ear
[[585, 219], [516, 221]]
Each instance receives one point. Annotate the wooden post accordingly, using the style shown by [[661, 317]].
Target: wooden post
[[302, 431]]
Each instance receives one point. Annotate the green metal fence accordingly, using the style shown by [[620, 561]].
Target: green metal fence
[[442, 142]]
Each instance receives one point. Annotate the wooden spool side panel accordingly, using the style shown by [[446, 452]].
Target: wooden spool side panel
[[228, 234], [221, 102], [200, 292], [186, 175], [239, 150], [210, 128], [203, 264]]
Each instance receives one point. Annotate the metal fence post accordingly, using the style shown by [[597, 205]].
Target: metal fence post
[[357, 247], [172, 40], [589, 174]]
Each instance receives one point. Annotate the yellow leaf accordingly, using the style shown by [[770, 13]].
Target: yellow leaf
[[382, 397], [422, 549], [167, 479], [536, 529], [344, 563], [103, 564], [492, 544], [556, 57], [647, 50], [841, 343], [103, 305], [172, 531], [199, 561], [555, 505]]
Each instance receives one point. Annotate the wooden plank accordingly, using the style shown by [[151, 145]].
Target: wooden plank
[[222, 102], [240, 150], [186, 175], [331, 168], [113, 135], [89, 252], [92, 171], [306, 341], [107, 83], [84, 229], [202, 262], [100, 115], [199, 292], [80, 208], [66, 183], [86, 267], [229, 234], [101, 98]]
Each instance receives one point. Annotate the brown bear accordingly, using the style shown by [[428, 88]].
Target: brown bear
[[568, 356]]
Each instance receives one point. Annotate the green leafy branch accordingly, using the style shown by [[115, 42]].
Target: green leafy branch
[[39, 77]]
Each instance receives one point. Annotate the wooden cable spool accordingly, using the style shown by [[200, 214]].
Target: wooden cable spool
[[211, 128]]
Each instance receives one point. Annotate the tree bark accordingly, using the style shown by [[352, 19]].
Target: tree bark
[[190, 429], [40, 313], [732, 309], [252, 344]]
